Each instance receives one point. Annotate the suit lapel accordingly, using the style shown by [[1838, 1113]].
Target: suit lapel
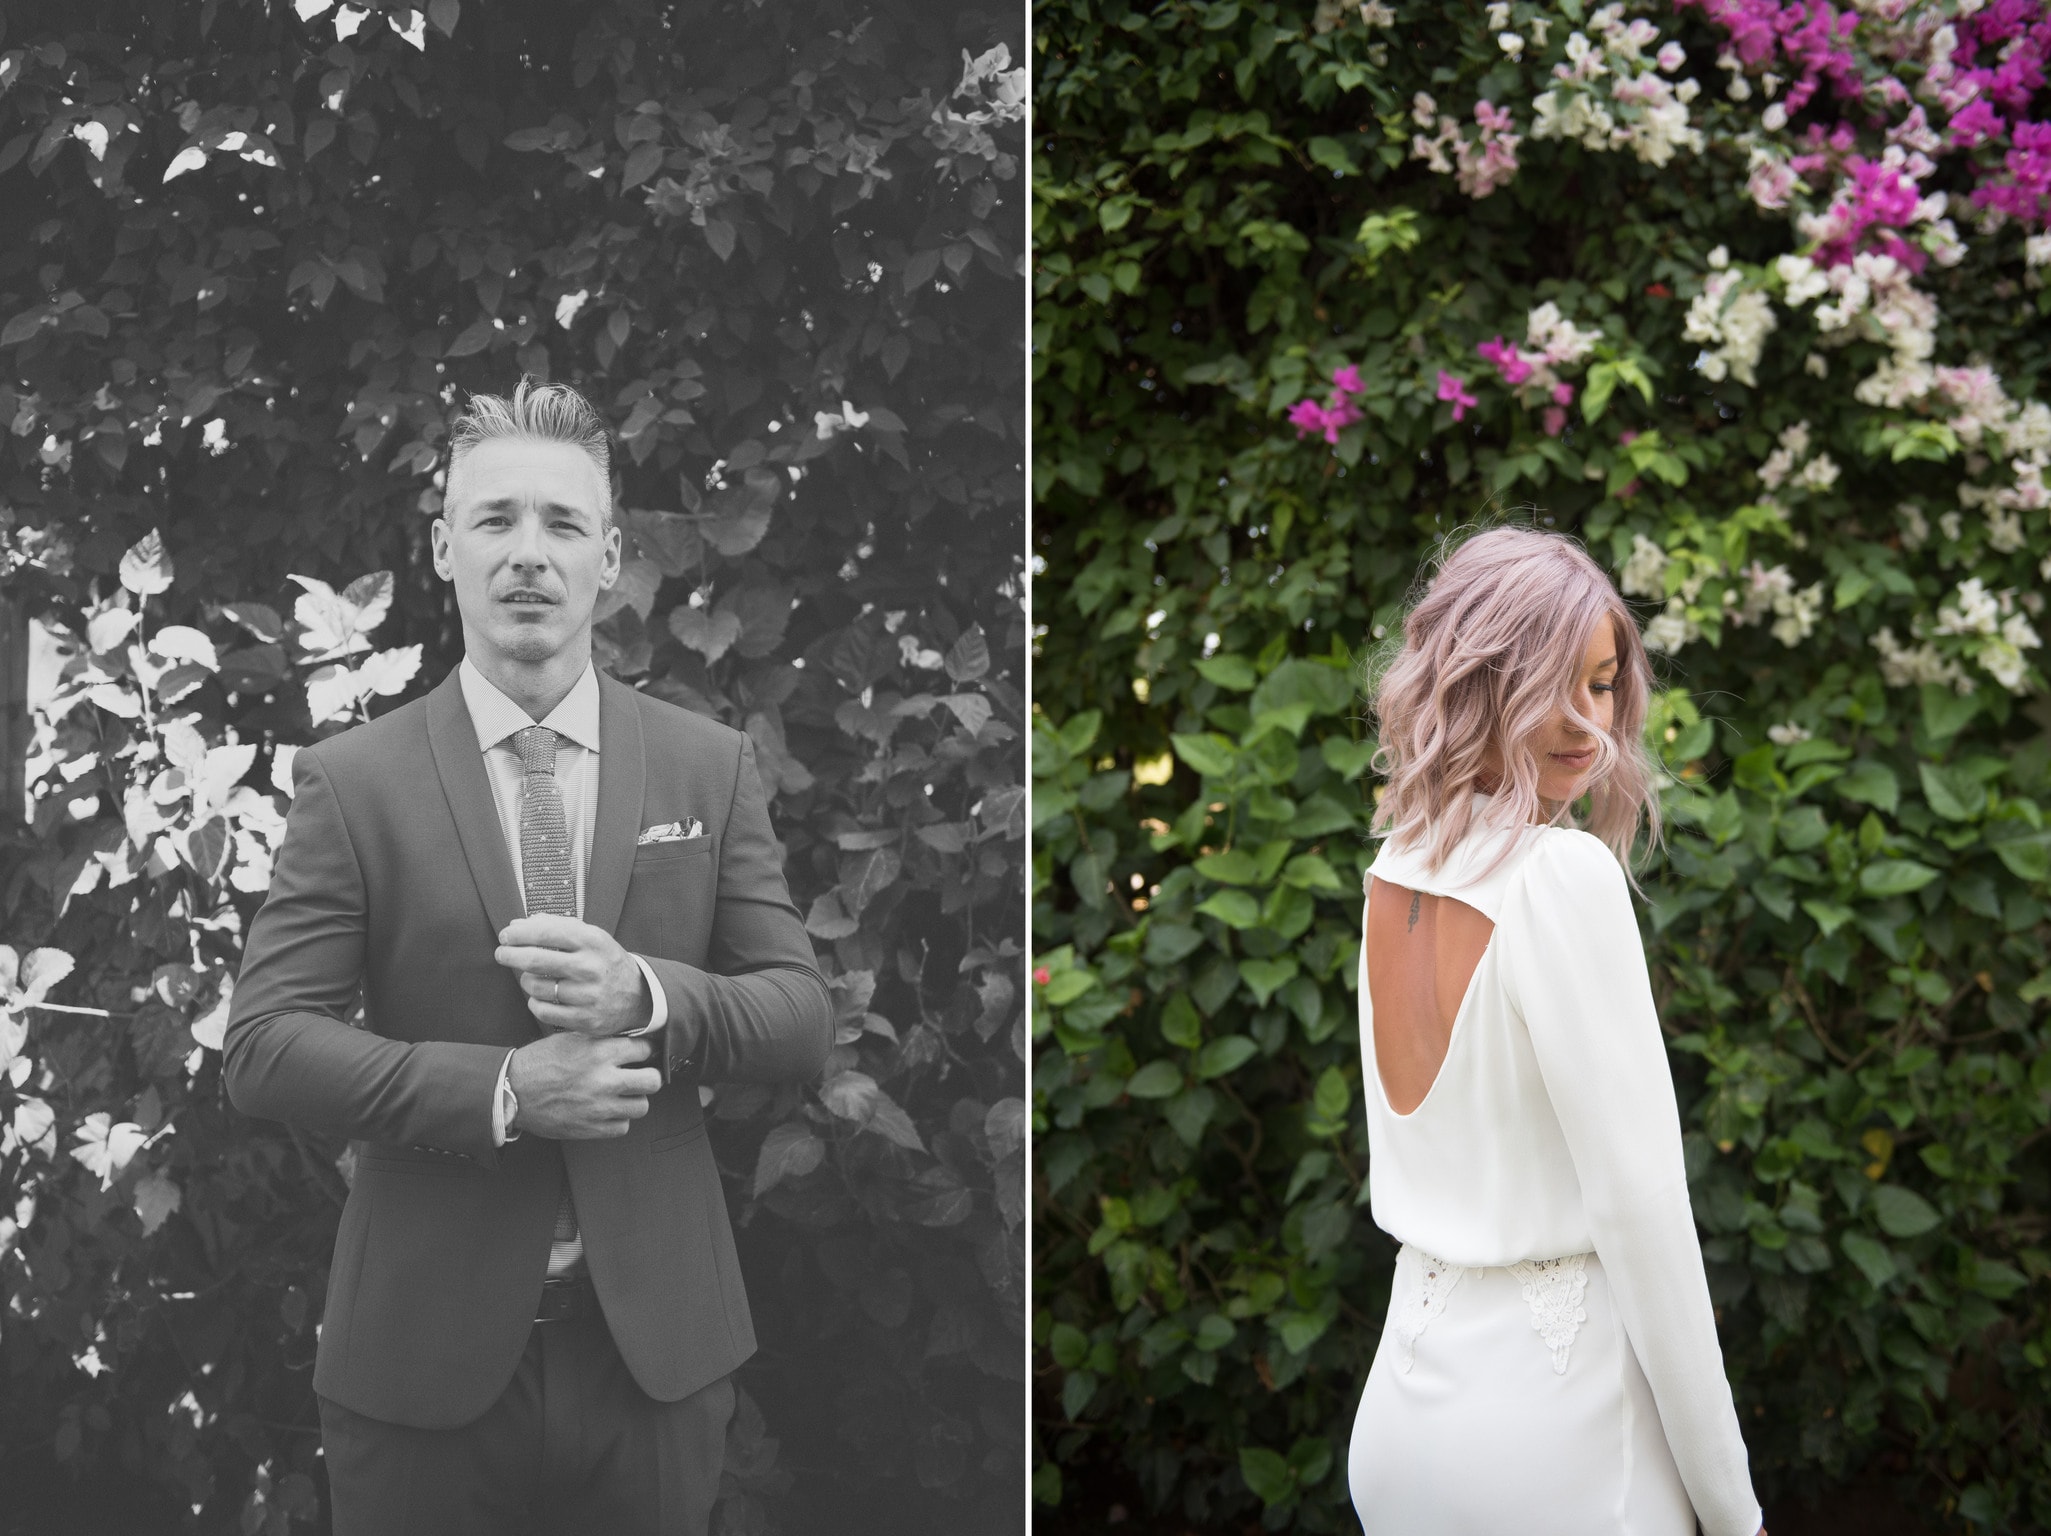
[[460, 767], [622, 776]]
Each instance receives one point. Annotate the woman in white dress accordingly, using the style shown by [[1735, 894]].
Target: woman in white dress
[[1550, 1360]]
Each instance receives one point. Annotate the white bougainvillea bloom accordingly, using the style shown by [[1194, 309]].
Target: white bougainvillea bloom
[[106, 1146], [1644, 574]]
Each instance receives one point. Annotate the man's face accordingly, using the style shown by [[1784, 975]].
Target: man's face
[[523, 537]]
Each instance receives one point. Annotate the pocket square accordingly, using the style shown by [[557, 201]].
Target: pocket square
[[671, 832]]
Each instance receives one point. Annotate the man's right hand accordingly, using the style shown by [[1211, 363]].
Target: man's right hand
[[573, 1087]]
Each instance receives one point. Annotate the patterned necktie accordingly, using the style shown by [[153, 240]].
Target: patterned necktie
[[550, 886]]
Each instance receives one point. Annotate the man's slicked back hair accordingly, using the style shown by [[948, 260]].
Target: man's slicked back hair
[[547, 413]]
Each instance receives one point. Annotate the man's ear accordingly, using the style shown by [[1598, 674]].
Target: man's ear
[[438, 543]]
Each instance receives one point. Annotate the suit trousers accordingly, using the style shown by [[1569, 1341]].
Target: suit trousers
[[572, 1446]]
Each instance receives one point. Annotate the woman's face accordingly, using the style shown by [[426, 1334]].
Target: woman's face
[[1566, 753]]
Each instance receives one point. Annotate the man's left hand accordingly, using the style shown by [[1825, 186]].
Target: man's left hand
[[575, 976]]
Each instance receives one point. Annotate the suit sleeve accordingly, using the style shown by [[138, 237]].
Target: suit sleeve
[[1576, 972], [287, 1052], [758, 1011]]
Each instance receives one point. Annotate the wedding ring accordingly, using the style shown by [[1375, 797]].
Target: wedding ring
[[557, 995]]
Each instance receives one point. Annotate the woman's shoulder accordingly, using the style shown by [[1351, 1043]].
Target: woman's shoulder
[[1566, 861]]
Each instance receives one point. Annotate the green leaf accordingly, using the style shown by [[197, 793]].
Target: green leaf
[[1902, 1212], [1235, 909], [1311, 872], [1945, 712], [1155, 1080], [1895, 877], [1180, 1023], [1234, 866], [1231, 672], [1326, 689], [1064, 987], [1080, 731], [1871, 783], [1348, 759], [1333, 1097], [1953, 793], [1224, 1055], [1872, 1258], [1264, 978], [1069, 1345], [1267, 1474], [1189, 1112], [1602, 383], [1209, 754], [1828, 914], [1168, 943]]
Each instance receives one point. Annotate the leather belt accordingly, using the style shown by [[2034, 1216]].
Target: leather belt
[[566, 1298]]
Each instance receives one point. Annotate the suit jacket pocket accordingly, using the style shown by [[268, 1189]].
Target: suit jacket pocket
[[666, 853], [674, 1139], [392, 1159]]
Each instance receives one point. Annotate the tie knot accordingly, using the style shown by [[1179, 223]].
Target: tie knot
[[536, 746]]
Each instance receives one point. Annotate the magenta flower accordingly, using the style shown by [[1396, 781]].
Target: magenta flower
[[1563, 394], [1555, 419], [1513, 368], [1976, 124], [1347, 380], [1307, 416], [1454, 389]]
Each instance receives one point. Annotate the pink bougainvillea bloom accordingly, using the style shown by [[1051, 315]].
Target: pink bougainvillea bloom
[[1563, 394], [1454, 389], [1978, 123], [1627, 436], [1347, 380], [1627, 490], [1555, 419], [1307, 416], [1041, 976], [1339, 412], [1513, 368]]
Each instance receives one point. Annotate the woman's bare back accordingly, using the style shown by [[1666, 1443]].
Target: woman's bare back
[[1422, 951]]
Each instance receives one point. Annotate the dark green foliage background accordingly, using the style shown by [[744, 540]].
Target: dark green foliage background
[[1861, 1065], [398, 225]]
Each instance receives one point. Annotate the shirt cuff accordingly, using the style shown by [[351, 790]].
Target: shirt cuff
[[659, 1014], [501, 1096]]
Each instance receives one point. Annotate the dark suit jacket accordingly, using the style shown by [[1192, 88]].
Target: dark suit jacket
[[394, 879]]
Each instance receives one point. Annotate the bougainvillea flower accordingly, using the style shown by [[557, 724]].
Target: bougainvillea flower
[[1513, 368], [1454, 389], [1347, 380]]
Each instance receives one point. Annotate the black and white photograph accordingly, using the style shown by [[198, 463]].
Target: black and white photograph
[[513, 994]]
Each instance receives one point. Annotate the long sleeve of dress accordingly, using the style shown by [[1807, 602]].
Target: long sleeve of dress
[[1574, 967]]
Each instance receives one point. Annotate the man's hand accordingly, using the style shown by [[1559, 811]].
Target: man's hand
[[573, 1088], [576, 977]]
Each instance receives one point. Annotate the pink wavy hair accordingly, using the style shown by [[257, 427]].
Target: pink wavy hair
[[1488, 654]]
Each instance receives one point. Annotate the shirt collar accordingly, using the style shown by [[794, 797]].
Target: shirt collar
[[495, 717]]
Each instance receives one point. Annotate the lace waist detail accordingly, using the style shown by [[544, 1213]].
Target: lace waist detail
[[1422, 1299], [1553, 1289]]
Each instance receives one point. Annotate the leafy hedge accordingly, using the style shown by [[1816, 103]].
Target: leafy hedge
[[253, 254], [1749, 297]]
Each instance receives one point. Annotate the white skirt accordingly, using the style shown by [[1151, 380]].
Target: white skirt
[[1510, 1399]]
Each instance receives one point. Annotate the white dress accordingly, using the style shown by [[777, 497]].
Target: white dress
[[1550, 1360]]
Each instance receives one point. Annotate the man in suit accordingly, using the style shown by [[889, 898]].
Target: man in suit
[[563, 909]]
